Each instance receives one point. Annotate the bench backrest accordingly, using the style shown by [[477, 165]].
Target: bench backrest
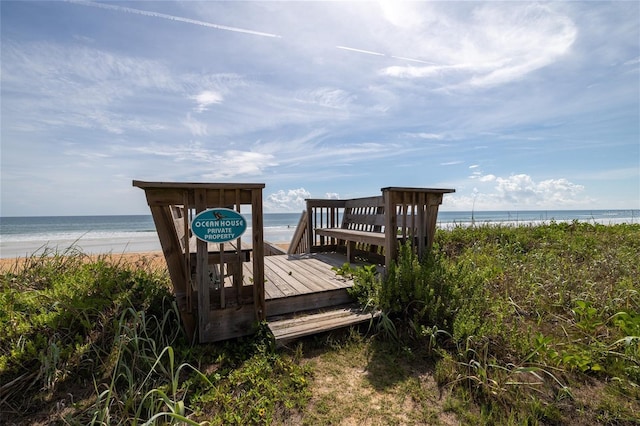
[[367, 214], [364, 214]]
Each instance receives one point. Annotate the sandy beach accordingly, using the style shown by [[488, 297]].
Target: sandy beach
[[154, 259]]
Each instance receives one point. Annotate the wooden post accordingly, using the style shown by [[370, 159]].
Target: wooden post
[[238, 275], [310, 223], [258, 255], [175, 263], [424, 205], [187, 255], [390, 228], [202, 271], [433, 203], [420, 205]]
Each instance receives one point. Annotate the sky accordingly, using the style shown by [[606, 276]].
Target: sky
[[515, 105]]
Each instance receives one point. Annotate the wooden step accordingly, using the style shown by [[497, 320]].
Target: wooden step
[[306, 324]]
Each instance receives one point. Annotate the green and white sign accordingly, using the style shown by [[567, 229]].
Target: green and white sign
[[218, 225]]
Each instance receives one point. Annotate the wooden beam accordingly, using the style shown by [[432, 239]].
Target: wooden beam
[[426, 190], [390, 229], [258, 255], [196, 185], [202, 272], [175, 264]]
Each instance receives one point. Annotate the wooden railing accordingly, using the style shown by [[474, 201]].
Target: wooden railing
[[322, 214], [223, 312], [400, 214], [411, 215], [300, 242]]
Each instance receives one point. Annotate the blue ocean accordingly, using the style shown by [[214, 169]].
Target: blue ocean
[[24, 236]]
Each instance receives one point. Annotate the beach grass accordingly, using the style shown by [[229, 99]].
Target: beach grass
[[500, 325]]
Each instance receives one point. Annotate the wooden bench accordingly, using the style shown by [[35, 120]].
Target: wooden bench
[[362, 223]]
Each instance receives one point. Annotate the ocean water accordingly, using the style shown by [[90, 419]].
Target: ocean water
[[24, 236]]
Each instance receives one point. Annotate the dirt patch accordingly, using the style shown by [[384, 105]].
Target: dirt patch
[[351, 388]]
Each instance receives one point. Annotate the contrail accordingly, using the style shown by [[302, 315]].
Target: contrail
[[170, 17], [215, 26], [368, 52], [413, 60]]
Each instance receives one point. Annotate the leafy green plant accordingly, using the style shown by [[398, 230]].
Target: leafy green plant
[[571, 286], [519, 325], [253, 384], [366, 284]]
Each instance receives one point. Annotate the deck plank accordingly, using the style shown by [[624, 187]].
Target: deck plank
[[279, 265], [286, 286], [305, 281], [271, 290], [294, 275], [317, 269], [338, 317], [296, 283]]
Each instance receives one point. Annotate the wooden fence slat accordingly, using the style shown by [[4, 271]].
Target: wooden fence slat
[[202, 271], [258, 256]]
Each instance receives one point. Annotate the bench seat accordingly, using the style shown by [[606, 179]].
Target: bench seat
[[364, 237], [352, 236]]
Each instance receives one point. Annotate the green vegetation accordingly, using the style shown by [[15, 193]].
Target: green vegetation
[[99, 342], [523, 321], [500, 325]]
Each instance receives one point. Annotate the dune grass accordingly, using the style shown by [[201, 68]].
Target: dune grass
[[525, 324], [501, 325], [98, 341]]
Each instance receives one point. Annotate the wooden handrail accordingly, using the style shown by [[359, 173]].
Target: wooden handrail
[[172, 204], [408, 215], [299, 241], [322, 213]]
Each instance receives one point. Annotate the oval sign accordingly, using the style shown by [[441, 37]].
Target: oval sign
[[218, 225]]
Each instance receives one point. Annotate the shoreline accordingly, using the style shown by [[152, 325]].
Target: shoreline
[[128, 248], [154, 259], [89, 246]]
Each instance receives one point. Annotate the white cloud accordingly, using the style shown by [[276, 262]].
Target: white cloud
[[171, 18], [204, 161], [522, 190], [231, 164], [401, 14], [491, 44], [327, 97], [285, 201], [196, 128], [332, 195], [422, 135], [292, 110], [206, 98]]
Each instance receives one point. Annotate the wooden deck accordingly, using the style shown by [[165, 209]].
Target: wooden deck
[[222, 291], [304, 295], [295, 283]]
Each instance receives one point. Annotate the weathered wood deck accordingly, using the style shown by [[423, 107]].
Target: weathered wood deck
[[304, 295], [222, 291], [296, 283]]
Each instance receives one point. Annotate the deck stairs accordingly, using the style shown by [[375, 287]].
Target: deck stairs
[[288, 328]]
